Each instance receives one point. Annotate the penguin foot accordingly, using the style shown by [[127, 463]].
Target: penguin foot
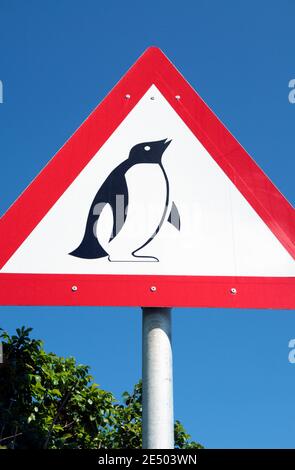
[[132, 259]]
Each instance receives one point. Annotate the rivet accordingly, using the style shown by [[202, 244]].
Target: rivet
[[153, 288], [127, 97], [177, 97], [74, 288], [152, 97], [233, 290]]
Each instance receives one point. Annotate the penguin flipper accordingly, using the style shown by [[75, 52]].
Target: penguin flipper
[[174, 217]]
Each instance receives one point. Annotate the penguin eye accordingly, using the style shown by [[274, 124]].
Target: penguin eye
[[147, 148]]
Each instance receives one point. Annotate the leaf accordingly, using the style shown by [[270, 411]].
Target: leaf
[[93, 416], [31, 418]]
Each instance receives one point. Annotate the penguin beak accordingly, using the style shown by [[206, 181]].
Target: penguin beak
[[166, 143]]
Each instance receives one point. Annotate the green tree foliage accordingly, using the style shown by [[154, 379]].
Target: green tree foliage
[[47, 401]]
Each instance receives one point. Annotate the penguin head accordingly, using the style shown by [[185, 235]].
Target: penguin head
[[149, 152]]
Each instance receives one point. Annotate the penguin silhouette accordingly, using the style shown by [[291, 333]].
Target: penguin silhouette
[[116, 186]]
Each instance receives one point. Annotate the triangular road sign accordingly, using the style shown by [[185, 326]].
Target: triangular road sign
[[152, 202]]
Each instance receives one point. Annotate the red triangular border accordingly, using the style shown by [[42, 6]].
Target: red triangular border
[[152, 67]]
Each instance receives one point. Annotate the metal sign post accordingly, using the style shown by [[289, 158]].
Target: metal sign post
[[157, 379]]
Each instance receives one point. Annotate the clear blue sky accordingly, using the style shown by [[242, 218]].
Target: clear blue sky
[[234, 386]]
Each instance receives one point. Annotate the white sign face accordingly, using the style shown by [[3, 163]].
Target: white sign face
[[152, 201]]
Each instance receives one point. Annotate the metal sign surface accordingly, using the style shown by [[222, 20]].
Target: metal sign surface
[[151, 202]]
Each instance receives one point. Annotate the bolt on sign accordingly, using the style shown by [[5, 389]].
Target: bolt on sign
[[151, 202]]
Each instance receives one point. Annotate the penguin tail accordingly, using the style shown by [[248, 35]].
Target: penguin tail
[[89, 249]]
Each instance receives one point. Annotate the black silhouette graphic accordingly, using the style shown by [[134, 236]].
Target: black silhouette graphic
[[114, 185]]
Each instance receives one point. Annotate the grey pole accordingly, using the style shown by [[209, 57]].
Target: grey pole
[[157, 379]]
